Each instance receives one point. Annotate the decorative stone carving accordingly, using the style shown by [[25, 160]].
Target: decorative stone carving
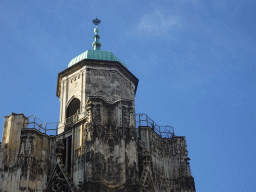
[[100, 72], [58, 182], [118, 77], [31, 141], [115, 75], [103, 94], [21, 159], [59, 148], [73, 78]]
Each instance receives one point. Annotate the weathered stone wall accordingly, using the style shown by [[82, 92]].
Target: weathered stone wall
[[109, 83], [108, 155], [106, 81], [72, 86], [98, 151], [27, 158], [11, 137], [9, 150], [168, 159]]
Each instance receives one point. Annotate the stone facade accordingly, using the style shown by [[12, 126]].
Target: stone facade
[[107, 79], [98, 146], [27, 158]]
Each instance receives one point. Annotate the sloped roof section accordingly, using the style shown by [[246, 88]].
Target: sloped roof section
[[97, 55]]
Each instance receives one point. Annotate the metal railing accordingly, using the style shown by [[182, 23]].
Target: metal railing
[[72, 120], [47, 128], [164, 131], [52, 128]]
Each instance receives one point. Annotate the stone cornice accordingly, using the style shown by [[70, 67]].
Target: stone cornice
[[37, 132]]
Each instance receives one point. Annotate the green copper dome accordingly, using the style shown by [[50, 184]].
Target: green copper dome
[[96, 54]]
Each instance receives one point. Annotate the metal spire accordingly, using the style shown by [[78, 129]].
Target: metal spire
[[96, 44]]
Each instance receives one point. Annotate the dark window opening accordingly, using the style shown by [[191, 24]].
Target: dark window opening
[[69, 154], [66, 153], [73, 107]]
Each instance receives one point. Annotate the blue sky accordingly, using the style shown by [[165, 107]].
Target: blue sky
[[195, 61]]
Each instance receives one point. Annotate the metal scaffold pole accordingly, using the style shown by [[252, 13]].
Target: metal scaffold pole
[[34, 122]]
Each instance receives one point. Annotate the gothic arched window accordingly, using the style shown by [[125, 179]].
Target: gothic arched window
[[73, 107]]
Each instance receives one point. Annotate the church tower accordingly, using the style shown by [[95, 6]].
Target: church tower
[[96, 94], [100, 144]]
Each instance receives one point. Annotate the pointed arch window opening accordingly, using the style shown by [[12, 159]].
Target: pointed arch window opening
[[72, 112]]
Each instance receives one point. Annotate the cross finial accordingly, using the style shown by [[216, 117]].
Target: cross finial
[[96, 44], [96, 21]]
